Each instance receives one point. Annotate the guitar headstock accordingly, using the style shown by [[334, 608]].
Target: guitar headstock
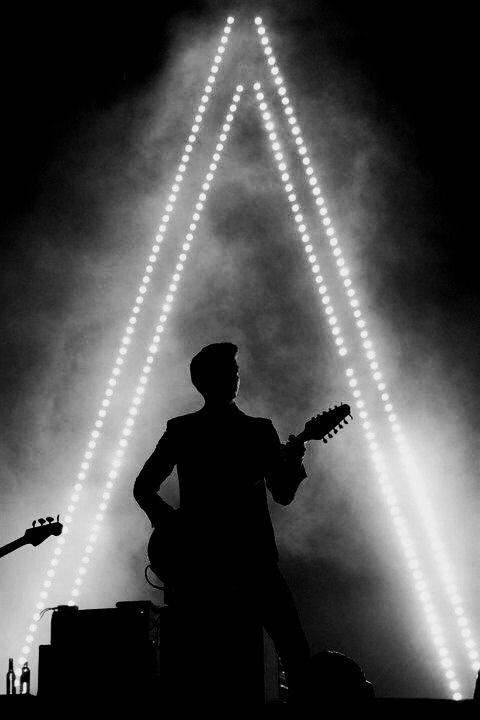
[[321, 426], [46, 527]]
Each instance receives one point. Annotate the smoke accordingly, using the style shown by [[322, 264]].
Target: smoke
[[70, 276]]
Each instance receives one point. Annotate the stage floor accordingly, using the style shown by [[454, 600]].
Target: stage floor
[[22, 706]]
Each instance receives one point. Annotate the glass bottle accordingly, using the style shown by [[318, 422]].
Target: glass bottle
[[11, 689], [25, 680]]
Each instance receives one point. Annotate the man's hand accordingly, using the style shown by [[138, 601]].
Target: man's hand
[[294, 449]]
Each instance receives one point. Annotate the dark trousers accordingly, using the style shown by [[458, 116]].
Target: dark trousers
[[217, 607], [278, 615]]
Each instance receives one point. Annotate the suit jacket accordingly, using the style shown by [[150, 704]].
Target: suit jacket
[[225, 460]]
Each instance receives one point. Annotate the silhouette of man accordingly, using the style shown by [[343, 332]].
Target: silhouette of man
[[225, 460]]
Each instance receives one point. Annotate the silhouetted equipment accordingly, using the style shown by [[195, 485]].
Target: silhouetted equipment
[[34, 535], [334, 679], [96, 653], [141, 652]]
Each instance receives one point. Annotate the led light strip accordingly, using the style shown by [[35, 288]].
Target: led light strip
[[425, 510], [410, 552], [399, 520], [298, 218], [153, 348], [440, 555], [423, 504], [95, 434]]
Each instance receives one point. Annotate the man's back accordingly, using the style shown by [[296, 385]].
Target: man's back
[[222, 460]]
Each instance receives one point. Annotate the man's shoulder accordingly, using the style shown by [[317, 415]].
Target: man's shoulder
[[198, 416], [257, 420], [183, 419]]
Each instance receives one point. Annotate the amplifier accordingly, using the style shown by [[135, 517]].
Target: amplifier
[[138, 651], [95, 653]]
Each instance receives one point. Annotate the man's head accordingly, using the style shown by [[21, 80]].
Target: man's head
[[214, 372]]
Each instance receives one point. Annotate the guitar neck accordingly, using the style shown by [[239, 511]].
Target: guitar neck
[[300, 438], [14, 545]]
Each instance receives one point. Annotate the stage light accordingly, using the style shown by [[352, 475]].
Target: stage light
[[137, 399], [406, 541], [297, 215], [326, 220], [142, 290], [311, 258]]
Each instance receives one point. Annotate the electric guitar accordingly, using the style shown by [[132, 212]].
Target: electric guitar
[[34, 535], [165, 547], [325, 425]]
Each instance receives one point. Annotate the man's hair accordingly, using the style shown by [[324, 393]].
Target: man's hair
[[209, 361]]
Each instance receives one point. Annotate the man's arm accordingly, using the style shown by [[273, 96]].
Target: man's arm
[[157, 468], [285, 469]]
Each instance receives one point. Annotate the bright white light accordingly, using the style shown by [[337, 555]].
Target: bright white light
[[179, 179], [415, 482], [333, 241], [153, 348], [142, 290]]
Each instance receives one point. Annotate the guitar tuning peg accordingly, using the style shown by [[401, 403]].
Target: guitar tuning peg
[[34, 523], [345, 421], [49, 519], [330, 435], [41, 521], [351, 416], [325, 440], [340, 426], [335, 431]]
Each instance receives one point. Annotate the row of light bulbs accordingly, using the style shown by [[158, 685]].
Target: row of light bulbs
[[437, 546], [154, 346], [440, 557], [399, 521], [96, 432]]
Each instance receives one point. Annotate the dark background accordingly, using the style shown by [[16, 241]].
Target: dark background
[[96, 102]]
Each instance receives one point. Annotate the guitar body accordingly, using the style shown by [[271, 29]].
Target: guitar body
[[165, 559], [169, 552]]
